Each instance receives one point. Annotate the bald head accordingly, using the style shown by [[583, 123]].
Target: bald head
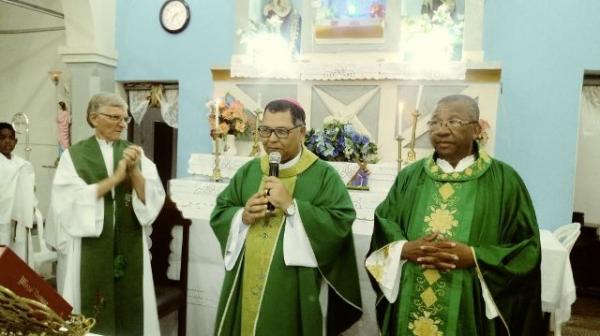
[[468, 104]]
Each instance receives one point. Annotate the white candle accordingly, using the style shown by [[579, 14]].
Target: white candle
[[399, 118], [419, 95], [217, 116]]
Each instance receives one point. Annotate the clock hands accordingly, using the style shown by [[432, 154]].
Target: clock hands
[[174, 15]]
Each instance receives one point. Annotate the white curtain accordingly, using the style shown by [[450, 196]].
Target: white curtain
[[590, 110], [138, 101], [169, 105]]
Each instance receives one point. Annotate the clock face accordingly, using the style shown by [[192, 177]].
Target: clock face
[[174, 16]]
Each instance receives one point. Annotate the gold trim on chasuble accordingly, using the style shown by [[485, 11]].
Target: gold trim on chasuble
[[434, 290], [261, 242]]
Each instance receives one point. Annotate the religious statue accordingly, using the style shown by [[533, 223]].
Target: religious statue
[[360, 179], [63, 121], [281, 8], [290, 20], [430, 6]]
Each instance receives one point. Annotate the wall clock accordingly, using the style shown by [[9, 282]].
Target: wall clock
[[174, 15]]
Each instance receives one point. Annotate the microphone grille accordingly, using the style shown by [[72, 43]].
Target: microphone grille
[[275, 157]]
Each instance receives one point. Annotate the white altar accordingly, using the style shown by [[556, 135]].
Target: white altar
[[195, 197], [351, 61]]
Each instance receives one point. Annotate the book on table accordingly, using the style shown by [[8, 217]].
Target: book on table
[[23, 281]]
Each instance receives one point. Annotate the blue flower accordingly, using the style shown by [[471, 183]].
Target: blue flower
[[331, 132], [340, 142], [348, 128], [336, 152], [328, 150]]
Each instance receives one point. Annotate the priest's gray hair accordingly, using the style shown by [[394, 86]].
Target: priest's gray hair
[[102, 100], [470, 104]]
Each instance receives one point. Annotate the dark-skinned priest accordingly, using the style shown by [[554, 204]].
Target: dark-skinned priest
[[456, 247], [290, 270]]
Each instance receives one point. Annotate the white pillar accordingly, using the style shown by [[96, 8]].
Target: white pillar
[[89, 54]]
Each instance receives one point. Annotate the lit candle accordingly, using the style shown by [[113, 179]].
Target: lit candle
[[217, 116], [419, 95], [399, 118]]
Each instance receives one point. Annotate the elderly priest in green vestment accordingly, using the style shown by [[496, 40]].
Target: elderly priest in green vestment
[[456, 248], [291, 271], [105, 196]]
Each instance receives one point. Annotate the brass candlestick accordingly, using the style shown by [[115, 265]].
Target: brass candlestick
[[399, 139], [216, 175], [256, 146], [412, 155]]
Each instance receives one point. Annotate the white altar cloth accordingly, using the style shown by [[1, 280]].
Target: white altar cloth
[[558, 285]]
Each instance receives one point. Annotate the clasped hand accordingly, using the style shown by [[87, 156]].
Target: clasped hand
[[129, 163], [274, 192], [435, 252]]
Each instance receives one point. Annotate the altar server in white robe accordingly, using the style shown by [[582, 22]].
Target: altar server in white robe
[[17, 198], [105, 195]]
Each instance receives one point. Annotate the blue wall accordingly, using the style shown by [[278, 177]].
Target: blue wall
[[543, 46], [147, 52]]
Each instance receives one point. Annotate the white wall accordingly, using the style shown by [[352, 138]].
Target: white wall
[[587, 182], [26, 86]]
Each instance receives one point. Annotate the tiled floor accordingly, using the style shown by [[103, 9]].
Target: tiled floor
[[585, 318]]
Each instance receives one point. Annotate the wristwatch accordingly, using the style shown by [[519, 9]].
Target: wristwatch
[[291, 210]]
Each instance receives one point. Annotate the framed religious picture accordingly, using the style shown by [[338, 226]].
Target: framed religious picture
[[349, 20]]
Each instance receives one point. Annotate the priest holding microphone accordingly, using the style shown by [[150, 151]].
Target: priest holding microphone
[[284, 224]]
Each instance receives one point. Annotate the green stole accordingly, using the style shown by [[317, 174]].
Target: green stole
[[110, 291], [429, 299], [260, 244]]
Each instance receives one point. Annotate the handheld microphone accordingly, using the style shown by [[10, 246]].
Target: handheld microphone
[[274, 160]]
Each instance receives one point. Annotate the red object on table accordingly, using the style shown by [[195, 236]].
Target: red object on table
[[17, 276]]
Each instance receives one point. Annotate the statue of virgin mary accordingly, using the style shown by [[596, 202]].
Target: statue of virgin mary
[[281, 8], [291, 20]]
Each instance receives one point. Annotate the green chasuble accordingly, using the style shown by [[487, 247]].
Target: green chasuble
[[487, 207], [263, 296], [111, 264]]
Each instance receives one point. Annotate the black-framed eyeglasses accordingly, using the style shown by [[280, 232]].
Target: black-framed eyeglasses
[[117, 118], [280, 132], [452, 123]]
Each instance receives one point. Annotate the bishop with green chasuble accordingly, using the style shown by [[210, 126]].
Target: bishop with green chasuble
[[456, 248], [292, 270], [105, 196]]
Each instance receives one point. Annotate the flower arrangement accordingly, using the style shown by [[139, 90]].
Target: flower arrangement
[[440, 31], [441, 18], [270, 49], [339, 141], [256, 28], [483, 137], [232, 117]]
